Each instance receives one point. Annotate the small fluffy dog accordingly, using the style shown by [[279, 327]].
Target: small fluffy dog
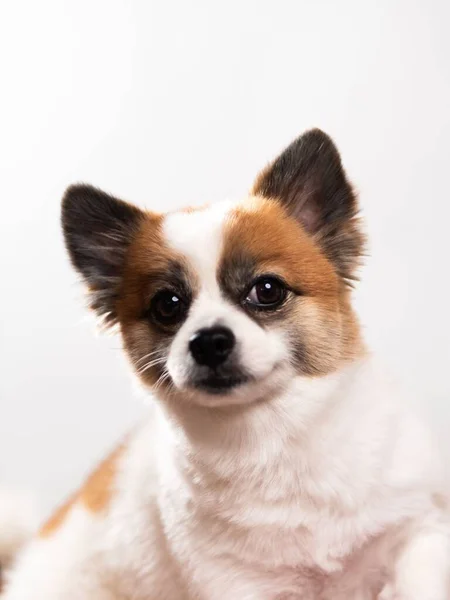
[[278, 461]]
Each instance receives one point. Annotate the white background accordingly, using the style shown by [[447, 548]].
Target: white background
[[181, 102]]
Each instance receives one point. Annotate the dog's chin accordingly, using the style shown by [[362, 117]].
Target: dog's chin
[[232, 390]]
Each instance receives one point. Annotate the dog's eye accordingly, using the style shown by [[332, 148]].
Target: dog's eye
[[167, 308], [267, 292]]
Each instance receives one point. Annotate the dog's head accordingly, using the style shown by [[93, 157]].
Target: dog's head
[[227, 303]]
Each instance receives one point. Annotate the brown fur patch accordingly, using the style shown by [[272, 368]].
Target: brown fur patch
[[95, 495], [150, 266], [261, 238], [57, 518], [263, 230]]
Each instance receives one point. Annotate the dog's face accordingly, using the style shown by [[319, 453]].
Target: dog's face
[[227, 303]]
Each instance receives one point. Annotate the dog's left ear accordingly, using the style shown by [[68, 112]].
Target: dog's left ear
[[309, 180]]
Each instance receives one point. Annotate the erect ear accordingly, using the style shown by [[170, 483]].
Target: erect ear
[[310, 182], [98, 230]]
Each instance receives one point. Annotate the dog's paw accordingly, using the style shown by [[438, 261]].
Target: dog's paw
[[387, 593]]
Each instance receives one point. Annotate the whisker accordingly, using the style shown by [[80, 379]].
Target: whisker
[[162, 378], [152, 363], [142, 358]]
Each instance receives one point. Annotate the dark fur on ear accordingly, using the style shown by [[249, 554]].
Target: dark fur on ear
[[309, 180], [97, 231]]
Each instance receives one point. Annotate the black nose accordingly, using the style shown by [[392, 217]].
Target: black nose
[[211, 347]]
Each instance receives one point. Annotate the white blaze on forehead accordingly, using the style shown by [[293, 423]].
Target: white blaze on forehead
[[198, 236]]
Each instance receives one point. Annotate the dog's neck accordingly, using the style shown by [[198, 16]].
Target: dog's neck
[[239, 428], [281, 440]]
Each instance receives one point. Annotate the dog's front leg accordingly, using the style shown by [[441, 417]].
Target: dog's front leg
[[422, 567]]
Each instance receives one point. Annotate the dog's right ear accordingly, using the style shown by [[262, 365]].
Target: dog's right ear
[[98, 230]]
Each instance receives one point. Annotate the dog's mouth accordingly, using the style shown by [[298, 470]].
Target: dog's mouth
[[220, 384], [234, 387]]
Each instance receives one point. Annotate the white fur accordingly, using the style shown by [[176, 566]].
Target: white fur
[[198, 236], [17, 522], [313, 488]]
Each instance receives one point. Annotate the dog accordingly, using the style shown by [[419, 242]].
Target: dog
[[278, 461]]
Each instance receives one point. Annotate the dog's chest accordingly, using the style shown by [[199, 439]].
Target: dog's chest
[[284, 565], [318, 559], [271, 542]]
